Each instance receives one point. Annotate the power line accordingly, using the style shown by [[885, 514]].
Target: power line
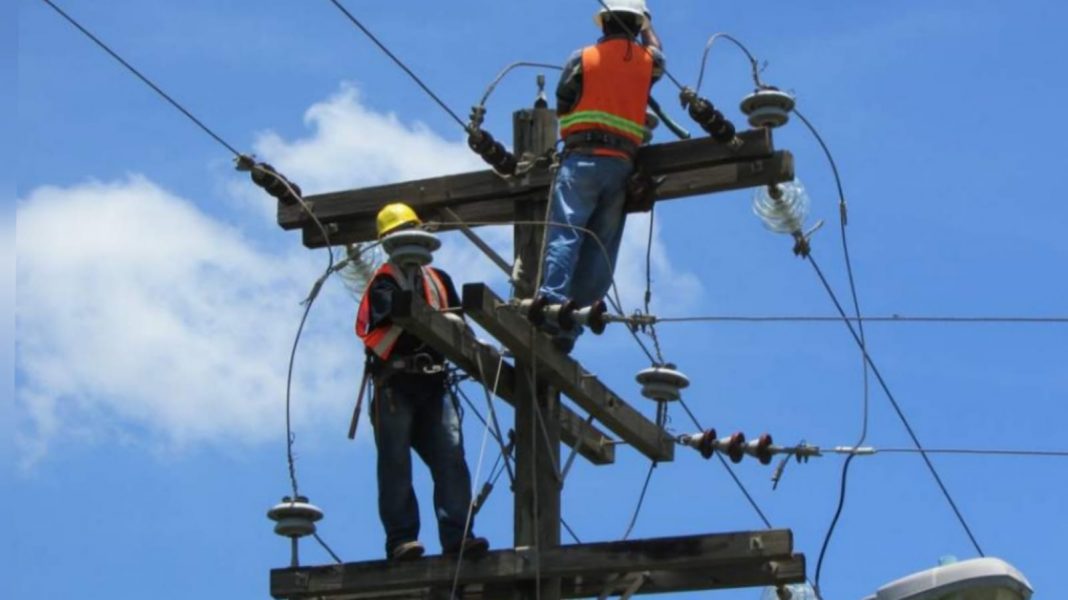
[[973, 451], [894, 318], [146, 80], [897, 407], [399, 63]]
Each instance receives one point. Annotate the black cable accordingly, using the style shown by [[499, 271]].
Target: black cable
[[880, 319], [834, 521], [842, 221], [641, 500], [570, 531], [329, 551], [399, 63], [897, 408], [148, 82], [753, 64]]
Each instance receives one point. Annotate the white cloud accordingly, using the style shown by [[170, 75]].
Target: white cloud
[[136, 312], [133, 306], [353, 146]]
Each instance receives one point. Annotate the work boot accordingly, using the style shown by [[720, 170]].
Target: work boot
[[407, 551], [472, 547]]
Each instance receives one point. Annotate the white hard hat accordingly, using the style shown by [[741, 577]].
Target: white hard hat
[[635, 7]]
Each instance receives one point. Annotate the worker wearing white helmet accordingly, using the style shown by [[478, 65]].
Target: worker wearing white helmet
[[602, 99]]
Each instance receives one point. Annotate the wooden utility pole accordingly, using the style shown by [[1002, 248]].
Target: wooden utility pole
[[538, 566], [537, 447]]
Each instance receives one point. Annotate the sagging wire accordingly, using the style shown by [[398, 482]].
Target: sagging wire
[[756, 67], [399, 63], [843, 220], [648, 296], [504, 72], [641, 499]]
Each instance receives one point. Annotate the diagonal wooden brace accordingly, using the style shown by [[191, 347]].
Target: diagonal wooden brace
[[460, 346], [515, 332]]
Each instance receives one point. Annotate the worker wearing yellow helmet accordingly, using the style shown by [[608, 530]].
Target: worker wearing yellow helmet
[[602, 99], [409, 408]]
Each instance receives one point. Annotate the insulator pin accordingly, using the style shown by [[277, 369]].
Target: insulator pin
[[492, 151]]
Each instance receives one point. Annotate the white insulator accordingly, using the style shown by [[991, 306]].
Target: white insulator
[[662, 384], [768, 108], [411, 247], [295, 519], [785, 214]]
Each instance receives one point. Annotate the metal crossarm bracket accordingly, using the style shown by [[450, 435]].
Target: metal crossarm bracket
[[563, 373], [460, 346], [713, 561], [691, 167]]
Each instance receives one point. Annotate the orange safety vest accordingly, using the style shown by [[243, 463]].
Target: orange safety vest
[[383, 338], [616, 77]]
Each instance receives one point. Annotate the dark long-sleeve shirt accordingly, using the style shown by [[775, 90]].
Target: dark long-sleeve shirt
[[381, 298]]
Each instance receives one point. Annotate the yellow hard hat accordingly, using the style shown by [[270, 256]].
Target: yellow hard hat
[[396, 215]]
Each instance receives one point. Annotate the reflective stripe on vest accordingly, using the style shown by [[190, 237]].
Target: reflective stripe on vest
[[616, 77], [383, 338]]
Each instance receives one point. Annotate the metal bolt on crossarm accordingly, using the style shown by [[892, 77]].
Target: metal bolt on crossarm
[[295, 518]]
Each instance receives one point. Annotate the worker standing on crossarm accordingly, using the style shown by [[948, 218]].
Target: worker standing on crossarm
[[601, 99], [409, 408]]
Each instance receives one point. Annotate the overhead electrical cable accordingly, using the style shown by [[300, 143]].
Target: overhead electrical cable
[[897, 409], [843, 219], [869, 319], [146, 80], [399, 63]]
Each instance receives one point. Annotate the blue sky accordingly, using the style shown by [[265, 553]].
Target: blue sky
[[156, 300]]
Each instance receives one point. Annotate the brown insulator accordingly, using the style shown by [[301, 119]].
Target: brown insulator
[[265, 176]]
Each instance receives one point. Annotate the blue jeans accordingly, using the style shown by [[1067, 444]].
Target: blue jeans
[[411, 412], [589, 193]]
